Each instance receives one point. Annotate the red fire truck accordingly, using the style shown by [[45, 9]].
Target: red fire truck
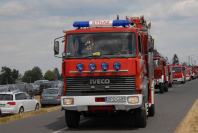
[[179, 73], [107, 67], [188, 73], [161, 73], [194, 72]]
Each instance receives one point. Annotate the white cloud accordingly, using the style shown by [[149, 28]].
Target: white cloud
[[12, 8]]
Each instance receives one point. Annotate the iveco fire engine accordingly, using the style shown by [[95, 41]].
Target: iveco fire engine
[[107, 66]]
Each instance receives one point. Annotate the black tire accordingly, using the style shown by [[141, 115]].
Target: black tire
[[37, 107], [166, 88], [140, 118], [183, 82], [21, 110], [170, 85], [161, 88], [151, 111], [72, 118], [43, 105]]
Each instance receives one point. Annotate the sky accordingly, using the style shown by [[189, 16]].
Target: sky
[[28, 27]]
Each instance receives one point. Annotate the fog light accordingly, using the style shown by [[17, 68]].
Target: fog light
[[133, 99], [79, 67], [92, 66], [117, 66], [68, 101]]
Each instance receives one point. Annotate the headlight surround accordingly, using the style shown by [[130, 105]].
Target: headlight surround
[[68, 101], [133, 99]]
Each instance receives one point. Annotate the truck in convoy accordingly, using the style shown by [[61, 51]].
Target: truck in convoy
[[188, 73], [161, 74], [170, 75], [179, 73], [194, 72], [107, 67]]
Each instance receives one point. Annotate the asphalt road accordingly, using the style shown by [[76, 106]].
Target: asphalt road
[[171, 107]]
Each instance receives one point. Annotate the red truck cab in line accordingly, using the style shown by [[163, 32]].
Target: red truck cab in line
[[179, 73], [161, 73], [107, 66]]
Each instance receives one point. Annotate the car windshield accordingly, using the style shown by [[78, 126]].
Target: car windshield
[[50, 91], [177, 69], [100, 45], [6, 97]]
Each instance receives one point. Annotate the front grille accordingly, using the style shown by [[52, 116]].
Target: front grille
[[112, 84]]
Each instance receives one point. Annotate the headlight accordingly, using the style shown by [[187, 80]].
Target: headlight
[[68, 101], [133, 99]]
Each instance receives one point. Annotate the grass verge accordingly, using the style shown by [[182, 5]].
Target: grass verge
[[190, 122]]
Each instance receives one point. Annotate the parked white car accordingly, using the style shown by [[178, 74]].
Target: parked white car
[[17, 102]]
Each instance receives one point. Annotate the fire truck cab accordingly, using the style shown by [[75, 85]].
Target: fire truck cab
[[179, 73], [161, 73], [107, 67]]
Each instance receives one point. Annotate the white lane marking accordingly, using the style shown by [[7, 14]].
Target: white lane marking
[[65, 128], [60, 130]]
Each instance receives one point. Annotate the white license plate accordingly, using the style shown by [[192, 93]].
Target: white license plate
[[50, 98], [116, 99], [2, 105]]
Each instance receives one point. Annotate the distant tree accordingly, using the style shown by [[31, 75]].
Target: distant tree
[[184, 64], [57, 74], [36, 73], [49, 75], [175, 59], [32, 75], [8, 76]]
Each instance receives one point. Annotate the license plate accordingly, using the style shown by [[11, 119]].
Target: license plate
[[2, 105], [116, 99], [49, 97]]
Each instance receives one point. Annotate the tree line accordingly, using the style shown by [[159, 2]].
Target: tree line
[[11, 76]]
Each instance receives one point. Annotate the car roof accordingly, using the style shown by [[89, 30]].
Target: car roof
[[11, 92]]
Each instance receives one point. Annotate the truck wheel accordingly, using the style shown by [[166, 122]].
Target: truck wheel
[[72, 118], [151, 111], [166, 88], [140, 118], [161, 88]]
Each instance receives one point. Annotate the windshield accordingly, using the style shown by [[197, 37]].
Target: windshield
[[50, 91], [177, 69], [100, 44], [6, 97]]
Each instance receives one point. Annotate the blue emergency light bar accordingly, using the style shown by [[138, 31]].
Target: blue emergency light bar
[[101, 23]]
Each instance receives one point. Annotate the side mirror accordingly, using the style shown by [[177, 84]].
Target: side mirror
[[56, 47]]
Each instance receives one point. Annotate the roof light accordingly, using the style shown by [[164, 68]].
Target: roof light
[[101, 23]]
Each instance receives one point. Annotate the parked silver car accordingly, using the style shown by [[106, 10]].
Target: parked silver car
[[51, 96]]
